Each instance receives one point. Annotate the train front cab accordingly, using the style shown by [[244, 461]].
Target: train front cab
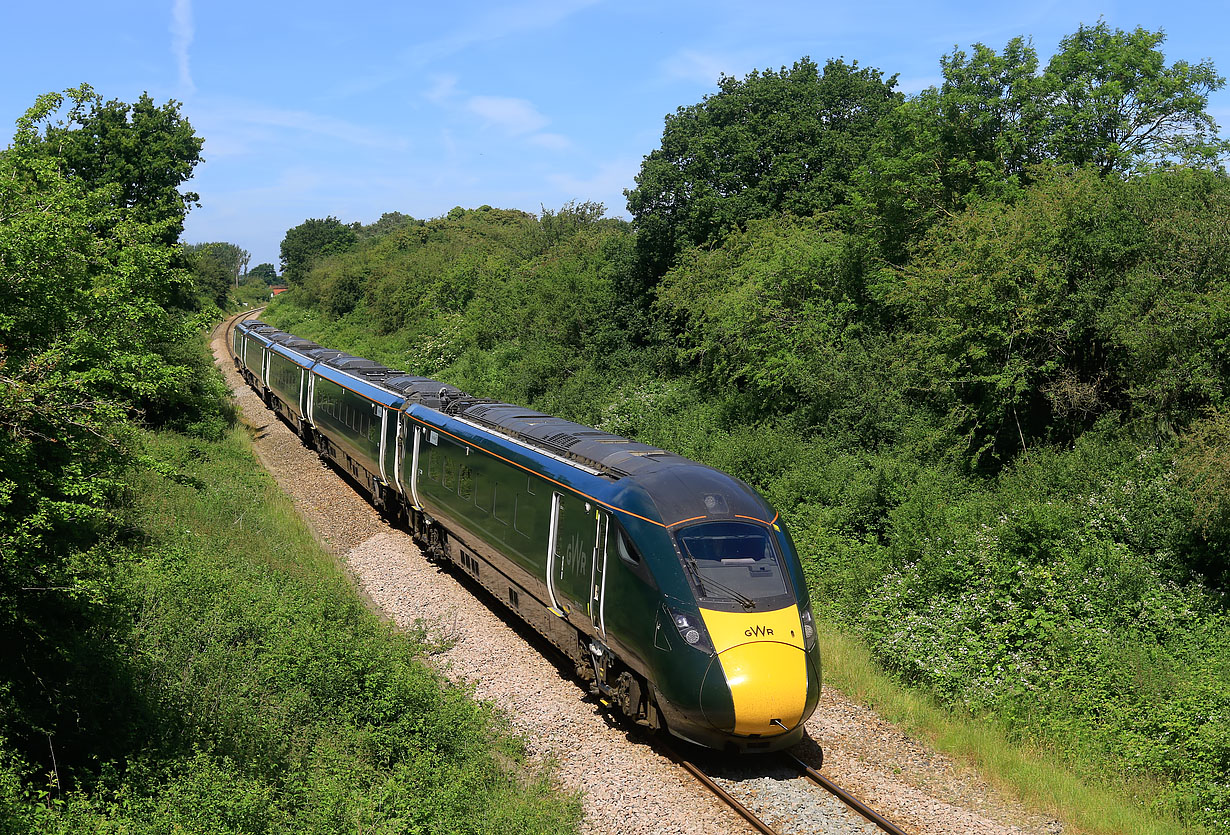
[[744, 671]]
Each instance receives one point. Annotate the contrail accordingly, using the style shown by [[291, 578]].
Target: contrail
[[181, 39]]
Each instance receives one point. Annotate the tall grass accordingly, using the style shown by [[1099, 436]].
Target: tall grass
[[1042, 776], [260, 693]]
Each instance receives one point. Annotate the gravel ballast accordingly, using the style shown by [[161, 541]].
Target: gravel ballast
[[628, 786]]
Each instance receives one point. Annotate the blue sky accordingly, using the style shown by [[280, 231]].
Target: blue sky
[[311, 109]]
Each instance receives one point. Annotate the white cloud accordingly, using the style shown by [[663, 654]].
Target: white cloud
[[181, 38], [551, 141], [514, 116], [443, 87], [702, 67], [238, 128]]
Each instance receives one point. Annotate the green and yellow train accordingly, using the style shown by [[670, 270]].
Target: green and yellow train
[[674, 587]]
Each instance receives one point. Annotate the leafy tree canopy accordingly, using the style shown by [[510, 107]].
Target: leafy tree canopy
[[312, 240], [1089, 295], [94, 335], [775, 141], [232, 258], [265, 272], [1107, 99], [1115, 104], [144, 151]]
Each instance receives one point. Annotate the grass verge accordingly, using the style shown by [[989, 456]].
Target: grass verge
[[245, 687], [1035, 775]]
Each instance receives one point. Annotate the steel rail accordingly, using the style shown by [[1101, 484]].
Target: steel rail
[[706, 781], [844, 796]]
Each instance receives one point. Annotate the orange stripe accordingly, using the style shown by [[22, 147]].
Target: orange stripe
[[690, 519], [359, 393], [468, 442], [753, 518]]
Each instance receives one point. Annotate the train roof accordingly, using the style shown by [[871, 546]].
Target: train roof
[[683, 490], [681, 487], [604, 451]]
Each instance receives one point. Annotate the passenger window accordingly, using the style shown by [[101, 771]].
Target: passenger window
[[482, 493], [434, 470], [450, 473], [465, 483], [624, 547], [502, 503]]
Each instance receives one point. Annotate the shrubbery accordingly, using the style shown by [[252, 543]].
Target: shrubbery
[[998, 472], [240, 685]]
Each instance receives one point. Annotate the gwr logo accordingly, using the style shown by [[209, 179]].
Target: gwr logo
[[762, 631]]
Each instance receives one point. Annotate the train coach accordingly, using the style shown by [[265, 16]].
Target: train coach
[[674, 588]]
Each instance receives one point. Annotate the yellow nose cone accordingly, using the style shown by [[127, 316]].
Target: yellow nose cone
[[767, 681]]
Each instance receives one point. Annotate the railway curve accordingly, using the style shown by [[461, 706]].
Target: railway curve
[[628, 786]]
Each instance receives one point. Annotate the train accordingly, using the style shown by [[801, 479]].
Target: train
[[674, 588]]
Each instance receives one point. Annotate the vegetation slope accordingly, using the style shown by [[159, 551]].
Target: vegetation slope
[[972, 343], [178, 655]]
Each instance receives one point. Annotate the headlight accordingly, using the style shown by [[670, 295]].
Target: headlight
[[691, 629], [809, 629]]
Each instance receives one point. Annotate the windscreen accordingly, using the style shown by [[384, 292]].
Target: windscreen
[[733, 561]]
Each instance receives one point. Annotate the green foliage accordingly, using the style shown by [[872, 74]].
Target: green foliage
[[1115, 104], [311, 241], [241, 685], [388, 222], [229, 259], [265, 272], [775, 141], [98, 334], [145, 152], [209, 275], [252, 292], [780, 318], [1107, 100], [1088, 295]]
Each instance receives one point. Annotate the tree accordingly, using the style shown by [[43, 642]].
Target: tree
[[231, 258], [93, 339], [265, 272], [1115, 104], [785, 141], [388, 222], [211, 278], [312, 240], [1089, 296], [145, 152], [1107, 100], [979, 132]]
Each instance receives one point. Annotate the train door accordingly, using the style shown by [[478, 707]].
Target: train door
[[388, 446], [597, 586], [413, 478], [572, 554], [557, 503], [309, 408]]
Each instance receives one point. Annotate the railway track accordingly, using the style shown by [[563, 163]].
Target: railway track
[[803, 770]]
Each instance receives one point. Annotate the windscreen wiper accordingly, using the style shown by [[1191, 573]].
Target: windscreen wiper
[[737, 596]]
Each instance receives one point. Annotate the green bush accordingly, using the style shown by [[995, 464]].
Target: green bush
[[241, 685]]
